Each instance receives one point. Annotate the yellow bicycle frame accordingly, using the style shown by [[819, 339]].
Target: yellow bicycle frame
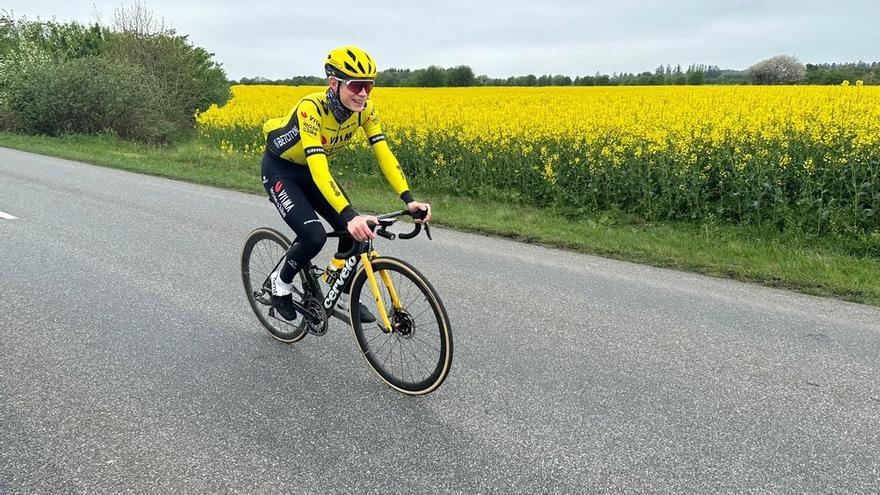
[[374, 286]]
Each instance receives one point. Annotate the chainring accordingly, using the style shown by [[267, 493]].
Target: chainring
[[316, 318]]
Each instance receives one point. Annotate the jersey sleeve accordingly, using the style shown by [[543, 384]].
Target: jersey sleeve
[[309, 116], [387, 162]]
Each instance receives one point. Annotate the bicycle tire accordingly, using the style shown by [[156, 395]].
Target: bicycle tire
[[269, 245], [435, 343]]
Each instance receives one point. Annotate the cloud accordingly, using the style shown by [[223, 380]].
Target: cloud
[[502, 38]]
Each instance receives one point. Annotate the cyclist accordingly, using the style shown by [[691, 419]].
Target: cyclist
[[296, 171]]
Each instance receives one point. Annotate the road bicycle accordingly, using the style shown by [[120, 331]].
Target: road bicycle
[[409, 345]]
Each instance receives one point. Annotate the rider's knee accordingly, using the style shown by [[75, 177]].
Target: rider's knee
[[312, 239]]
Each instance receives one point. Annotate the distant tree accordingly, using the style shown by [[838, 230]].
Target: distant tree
[[432, 77], [781, 69], [713, 72], [394, 77], [460, 76], [560, 80], [696, 77]]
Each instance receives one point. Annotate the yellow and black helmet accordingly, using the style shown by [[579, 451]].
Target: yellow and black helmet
[[350, 62]]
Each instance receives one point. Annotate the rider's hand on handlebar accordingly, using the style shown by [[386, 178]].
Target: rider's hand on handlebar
[[414, 206], [359, 229]]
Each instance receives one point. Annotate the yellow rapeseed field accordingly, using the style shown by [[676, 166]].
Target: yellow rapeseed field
[[741, 153]]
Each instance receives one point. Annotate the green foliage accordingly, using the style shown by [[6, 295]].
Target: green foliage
[[695, 74], [869, 74], [158, 76], [185, 75], [25, 45], [432, 77], [88, 95], [460, 76], [59, 42]]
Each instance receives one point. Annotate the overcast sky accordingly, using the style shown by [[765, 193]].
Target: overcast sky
[[282, 38]]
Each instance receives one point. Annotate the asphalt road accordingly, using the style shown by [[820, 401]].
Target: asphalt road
[[131, 362]]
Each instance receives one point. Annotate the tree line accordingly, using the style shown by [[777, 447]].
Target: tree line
[[781, 69]]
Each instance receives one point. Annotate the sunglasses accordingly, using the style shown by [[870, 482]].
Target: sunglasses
[[356, 85]]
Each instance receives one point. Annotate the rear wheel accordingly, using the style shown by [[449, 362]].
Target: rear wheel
[[262, 253], [415, 357]]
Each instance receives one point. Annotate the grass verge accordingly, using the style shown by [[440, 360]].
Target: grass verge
[[824, 267]]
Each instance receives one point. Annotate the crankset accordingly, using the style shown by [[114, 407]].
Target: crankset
[[315, 317]]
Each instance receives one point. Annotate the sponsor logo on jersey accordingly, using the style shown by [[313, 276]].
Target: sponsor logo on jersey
[[286, 138], [310, 118], [314, 150], [311, 128], [335, 188], [281, 199], [340, 139]]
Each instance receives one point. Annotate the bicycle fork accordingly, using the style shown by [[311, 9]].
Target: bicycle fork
[[374, 286]]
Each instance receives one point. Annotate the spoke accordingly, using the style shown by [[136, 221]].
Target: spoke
[[379, 334], [419, 302], [390, 352], [428, 324], [423, 312], [260, 253], [409, 289], [376, 352], [265, 255], [416, 358], [403, 363], [428, 344]]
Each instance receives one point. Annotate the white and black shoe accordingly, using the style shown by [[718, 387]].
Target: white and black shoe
[[364, 313], [282, 298]]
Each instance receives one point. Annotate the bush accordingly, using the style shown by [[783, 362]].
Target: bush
[[186, 76], [781, 69], [88, 95], [143, 83]]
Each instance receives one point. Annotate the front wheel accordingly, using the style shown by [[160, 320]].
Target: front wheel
[[415, 356]]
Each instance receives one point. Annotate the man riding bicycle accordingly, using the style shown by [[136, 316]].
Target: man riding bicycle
[[297, 177]]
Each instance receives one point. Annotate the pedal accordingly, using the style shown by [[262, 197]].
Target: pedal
[[261, 298]]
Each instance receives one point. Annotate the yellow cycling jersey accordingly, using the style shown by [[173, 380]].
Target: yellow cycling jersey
[[309, 133]]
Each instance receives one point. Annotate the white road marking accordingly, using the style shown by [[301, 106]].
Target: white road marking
[[6, 216]]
